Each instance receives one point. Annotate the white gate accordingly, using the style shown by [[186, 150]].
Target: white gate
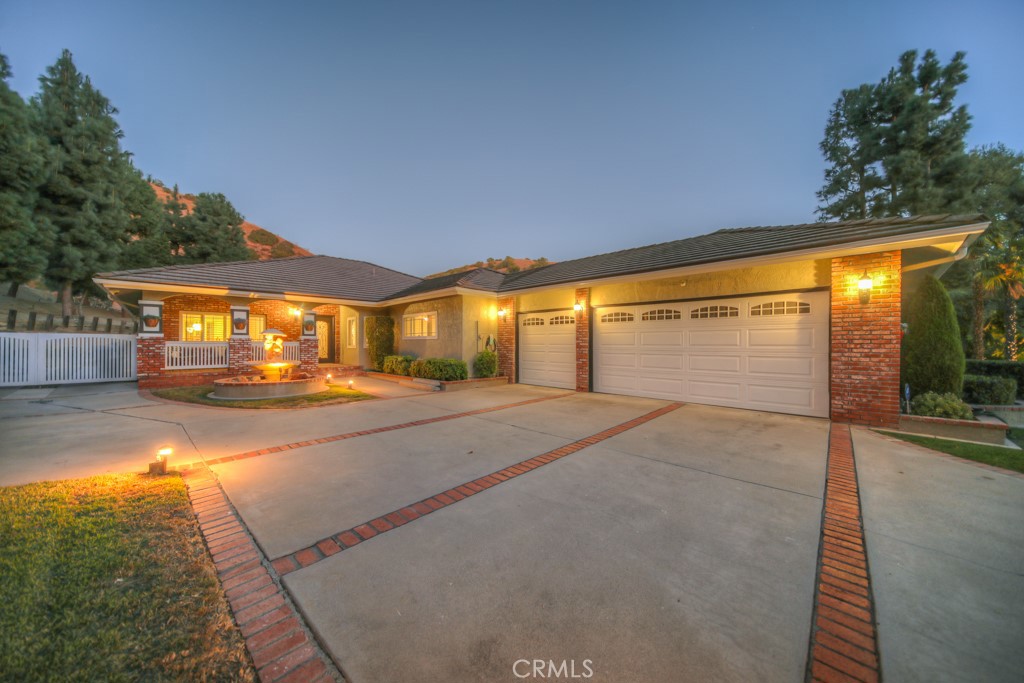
[[28, 358]]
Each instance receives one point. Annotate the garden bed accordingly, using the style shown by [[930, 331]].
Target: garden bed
[[201, 395], [456, 385], [966, 430]]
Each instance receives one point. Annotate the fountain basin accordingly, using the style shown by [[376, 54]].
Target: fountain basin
[[256, 388], [274, 371]]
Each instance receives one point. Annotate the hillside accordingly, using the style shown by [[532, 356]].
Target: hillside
[[505, 265], [262, 242]]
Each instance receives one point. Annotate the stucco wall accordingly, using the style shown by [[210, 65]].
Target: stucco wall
[[449, 328], [736, 282], [479, 320]]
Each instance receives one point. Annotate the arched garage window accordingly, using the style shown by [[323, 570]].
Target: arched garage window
[[562, 320], [662, 314], [716, 311], [531, 322], [617, 317], [780, 308]]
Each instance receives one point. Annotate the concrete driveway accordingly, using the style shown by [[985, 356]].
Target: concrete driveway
[[664, 543]]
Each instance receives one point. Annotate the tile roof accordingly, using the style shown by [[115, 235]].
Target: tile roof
[[729, 244], [327, 276], [341, 278]]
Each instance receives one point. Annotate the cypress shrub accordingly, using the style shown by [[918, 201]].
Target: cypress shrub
[[380, 339], [933, 357]]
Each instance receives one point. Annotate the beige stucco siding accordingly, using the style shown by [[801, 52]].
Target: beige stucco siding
[[546, 300], [449, 328]]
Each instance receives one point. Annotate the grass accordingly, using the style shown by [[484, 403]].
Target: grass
[[997, 456], [107, 578], [200, 394]]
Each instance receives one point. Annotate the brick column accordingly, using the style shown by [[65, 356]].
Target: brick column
[[583, 340], [149, 359], [507, 338], [309, 355], [239, 344], [865, 340]]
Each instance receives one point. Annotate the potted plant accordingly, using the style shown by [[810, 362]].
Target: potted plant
[[239, 324], [150, 320], [308, 326]]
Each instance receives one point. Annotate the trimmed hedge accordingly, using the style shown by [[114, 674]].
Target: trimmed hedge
[[931, 404], [397, 365], [485, 364], [1014, 369], [443, 369], [380, 339], [990, 391]]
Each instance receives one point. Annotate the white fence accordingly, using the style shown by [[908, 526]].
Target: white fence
[[195, 355], [28, 358], [291, 351]]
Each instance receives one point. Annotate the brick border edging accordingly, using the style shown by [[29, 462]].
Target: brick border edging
[[348, 538], [844, 637], [378, 430], [280, 644]]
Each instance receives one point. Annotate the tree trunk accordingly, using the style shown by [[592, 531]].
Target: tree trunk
[[978, 319], [66, 301], [1010, 327], [12, 291]]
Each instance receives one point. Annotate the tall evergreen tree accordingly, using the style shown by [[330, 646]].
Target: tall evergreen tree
[[24, 237], [146, 242], [80, 197], [896, 148], [213, 232]]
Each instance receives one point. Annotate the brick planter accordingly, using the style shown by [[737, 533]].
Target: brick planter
[[965, 430]]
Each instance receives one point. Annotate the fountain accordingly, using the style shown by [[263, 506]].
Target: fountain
[[276, 378]]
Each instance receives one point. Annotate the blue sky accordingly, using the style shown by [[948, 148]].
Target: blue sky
[[424, 135]]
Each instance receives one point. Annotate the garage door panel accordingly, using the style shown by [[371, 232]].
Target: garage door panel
[[775, 360], [547, 352]]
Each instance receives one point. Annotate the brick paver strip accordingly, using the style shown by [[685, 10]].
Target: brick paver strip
[[406, 514], [844, 638], [275, 634], [379, 430]]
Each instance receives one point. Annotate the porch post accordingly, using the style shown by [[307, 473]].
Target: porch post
[[507, 338], [239, 344], [149, 352], [309, 351]]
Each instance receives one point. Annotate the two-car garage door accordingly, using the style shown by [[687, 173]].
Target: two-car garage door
[[762, 352]]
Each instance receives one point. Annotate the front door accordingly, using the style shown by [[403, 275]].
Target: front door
[[325, 339]]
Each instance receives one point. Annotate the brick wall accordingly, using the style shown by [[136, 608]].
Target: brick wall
[[583, 340], [865, 340], [193, 303], [309, 353], [278, 317], [507, 339], [239, 353], [149, 358]]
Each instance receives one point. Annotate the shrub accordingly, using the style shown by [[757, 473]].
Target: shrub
[[933, 356], [946, 405], [265, 237], [1000, 368], [380, 339], [485, 364], [990, 391], [444, 369], [282, 249], [397, 365]]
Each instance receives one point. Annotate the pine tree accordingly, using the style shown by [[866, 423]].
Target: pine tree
[[24, 237], [80, 197], [213, 232], [896, 148], [146, 242]]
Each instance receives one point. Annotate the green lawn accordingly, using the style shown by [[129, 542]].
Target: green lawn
[[991, 455], [200, 394], [107, 579]]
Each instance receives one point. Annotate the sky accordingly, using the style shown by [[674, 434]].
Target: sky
[[425, 135]]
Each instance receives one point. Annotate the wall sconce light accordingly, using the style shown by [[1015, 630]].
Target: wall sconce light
[[159, 465], [577, 307], [501, 312], [864, 286], [295, 311]]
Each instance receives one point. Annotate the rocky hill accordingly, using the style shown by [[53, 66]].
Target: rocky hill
[[262, 242], [505, 265]]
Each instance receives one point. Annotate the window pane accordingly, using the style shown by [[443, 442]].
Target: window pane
[[257, 323]]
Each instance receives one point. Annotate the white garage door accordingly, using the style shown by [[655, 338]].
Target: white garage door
[[547, 349], [761, 352]]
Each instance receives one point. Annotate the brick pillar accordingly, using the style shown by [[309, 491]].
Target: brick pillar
[[149, 359], [583, 340], [309, 355], [507, 338], [865, 340], [239, 352]]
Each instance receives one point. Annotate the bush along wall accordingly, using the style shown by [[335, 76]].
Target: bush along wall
[[380, 339], [933, 355], [999, 368], [989, 391], [485, 364], [397, 365], [443, 369], [949, 406]]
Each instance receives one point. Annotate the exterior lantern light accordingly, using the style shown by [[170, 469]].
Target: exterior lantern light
[[501, 312], [864, 286], [578, 307], [295, 311]]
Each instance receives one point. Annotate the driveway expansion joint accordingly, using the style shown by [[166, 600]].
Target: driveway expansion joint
[[844, 635], [280, 644], [349, 538]]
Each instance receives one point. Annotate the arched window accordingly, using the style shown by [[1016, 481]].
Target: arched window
[[780, 308], [617, 317], [716, 311], [662, 314]]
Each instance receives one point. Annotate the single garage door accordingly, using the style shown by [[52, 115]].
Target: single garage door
[[547, 349], [760, 352]]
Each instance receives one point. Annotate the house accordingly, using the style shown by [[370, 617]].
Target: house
[[800, 319]]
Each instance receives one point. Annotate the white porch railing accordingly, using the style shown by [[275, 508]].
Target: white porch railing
[[28, 358], [291, 351], [195, 355]]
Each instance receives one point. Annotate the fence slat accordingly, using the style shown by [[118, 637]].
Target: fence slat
[[65, 358]]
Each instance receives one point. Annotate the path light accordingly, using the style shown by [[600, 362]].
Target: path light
[[351, 383], [159, 465], [864, 285]]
